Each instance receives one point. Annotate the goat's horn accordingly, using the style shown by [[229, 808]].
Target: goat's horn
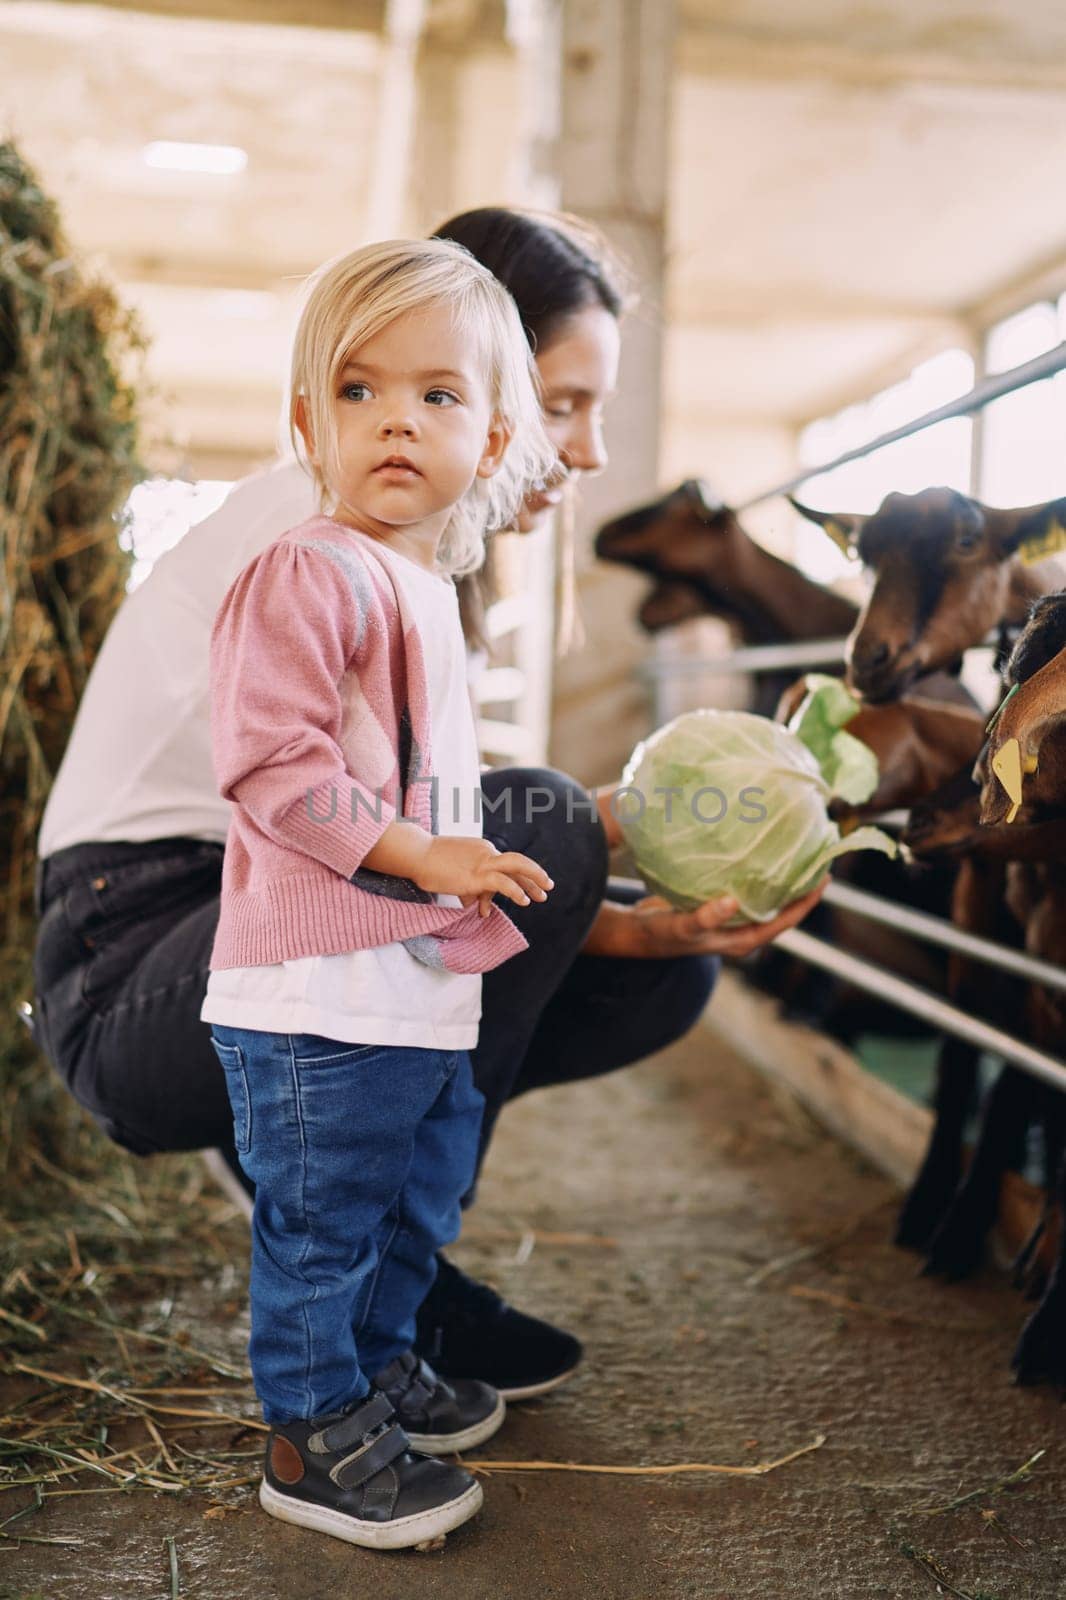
[[842, 527]]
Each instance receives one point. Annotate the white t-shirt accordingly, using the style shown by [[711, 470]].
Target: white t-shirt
[[138, 763], [385, 995]]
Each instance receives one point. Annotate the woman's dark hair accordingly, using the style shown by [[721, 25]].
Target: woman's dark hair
[[554, 266]]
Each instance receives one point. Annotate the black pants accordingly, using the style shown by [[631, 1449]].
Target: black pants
[[125, 934]]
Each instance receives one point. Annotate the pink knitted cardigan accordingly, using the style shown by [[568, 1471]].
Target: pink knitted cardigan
[[321, 737]]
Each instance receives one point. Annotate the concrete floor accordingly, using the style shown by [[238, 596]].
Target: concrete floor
[[678, 1183]]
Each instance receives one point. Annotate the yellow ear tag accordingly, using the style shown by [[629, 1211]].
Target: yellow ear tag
[[1008, 768], [1045, 544], [840, 534]]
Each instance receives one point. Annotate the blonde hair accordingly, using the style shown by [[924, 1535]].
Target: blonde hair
[[351, 299]]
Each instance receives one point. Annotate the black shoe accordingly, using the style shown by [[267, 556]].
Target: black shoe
[[467, 1331], [353, 1475], [439, 1417]]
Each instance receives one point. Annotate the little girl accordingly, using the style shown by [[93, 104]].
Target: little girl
[[356, 914]]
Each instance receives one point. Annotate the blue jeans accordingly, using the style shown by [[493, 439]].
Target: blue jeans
[[359, 1155], [124, 945]]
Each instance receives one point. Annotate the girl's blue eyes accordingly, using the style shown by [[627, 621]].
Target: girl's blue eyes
[[435, 397]]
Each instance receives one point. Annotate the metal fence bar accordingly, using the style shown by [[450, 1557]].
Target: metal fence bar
[[1043, 366], [865, 975], [762, 658], [753, 658], [911, 997], [935, 930]]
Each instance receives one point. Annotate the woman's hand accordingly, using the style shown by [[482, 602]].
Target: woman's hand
[[474, 869], [652, 930]]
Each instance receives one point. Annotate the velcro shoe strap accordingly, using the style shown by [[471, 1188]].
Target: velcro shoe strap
[[368, 1461], [424, 1386], [353, 1427]]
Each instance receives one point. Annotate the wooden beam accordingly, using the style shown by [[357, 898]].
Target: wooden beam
[[890, 1130], [1041, 279], [617, 79], [886, 1127], [194, 271], [766, 304], [454, 23], [397, 111], [361, 16], [462, 22], [717, 51]]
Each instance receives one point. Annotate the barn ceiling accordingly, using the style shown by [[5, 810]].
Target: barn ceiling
[[852, 185], [960, 40]]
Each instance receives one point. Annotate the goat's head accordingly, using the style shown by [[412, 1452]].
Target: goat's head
[[1026, 747], [919, 744], [689, 536], [941, 571], [1041, 640]]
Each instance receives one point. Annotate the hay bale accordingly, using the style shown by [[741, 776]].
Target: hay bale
[[68, 458]]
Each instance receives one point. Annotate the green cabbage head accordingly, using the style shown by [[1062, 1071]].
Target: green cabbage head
[[747, 812]]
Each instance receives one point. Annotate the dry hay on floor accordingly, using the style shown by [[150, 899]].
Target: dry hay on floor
[[112, 1380]]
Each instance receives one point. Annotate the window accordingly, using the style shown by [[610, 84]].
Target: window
[[937, 455], [1023, 434], [159, 512]]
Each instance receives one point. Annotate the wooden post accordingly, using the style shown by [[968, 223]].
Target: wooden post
[[617, 65], [397, 105]]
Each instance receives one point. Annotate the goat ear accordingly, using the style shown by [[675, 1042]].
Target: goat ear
[[843, 527], [707, 502], [1033, 533]]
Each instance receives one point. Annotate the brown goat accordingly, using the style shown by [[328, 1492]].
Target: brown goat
[[696, 549], [966, 816], [919, 745], [948, 1222], [1035, 716], [1030, 892], [1029, 715], [947, 570], [669, 603], [1030, 728]]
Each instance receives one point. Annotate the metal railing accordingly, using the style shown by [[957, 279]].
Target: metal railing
[[981, 395], [936, 930], [921, 1003], [865, 974], [752, 658]]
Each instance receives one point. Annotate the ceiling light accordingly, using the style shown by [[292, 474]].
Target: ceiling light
[[218, 159]]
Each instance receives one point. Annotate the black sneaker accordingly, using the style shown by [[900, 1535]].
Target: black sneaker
[[353, 1475], [439, 1417], [467, 1331]]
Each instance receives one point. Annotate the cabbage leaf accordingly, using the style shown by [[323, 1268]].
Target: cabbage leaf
[[725, 802]]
